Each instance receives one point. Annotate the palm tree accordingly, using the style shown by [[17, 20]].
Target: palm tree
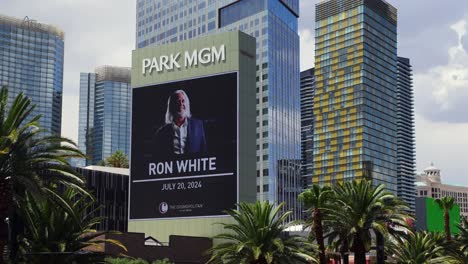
[[315, 199], [446, 204], [257, 237], [337, 237], [463, 236], [458, 249], [118, 159], [419, 248], [54, 235], [27, 160], [360, 209]]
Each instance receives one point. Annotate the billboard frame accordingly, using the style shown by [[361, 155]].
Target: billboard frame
[[201, 176]]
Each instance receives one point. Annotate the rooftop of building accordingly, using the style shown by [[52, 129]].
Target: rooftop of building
[[432, 168], [122, 171], [113, 73], [32, 24]]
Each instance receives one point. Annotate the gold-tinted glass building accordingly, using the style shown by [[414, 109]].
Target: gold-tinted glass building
[[355, 97]]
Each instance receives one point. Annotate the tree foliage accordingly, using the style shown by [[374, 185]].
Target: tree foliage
[[419, 248], [257, 236], [360, 209], [30, 161], [50, 229], [118, 159]]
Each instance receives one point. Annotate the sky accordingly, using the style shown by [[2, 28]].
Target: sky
[[432, 33]]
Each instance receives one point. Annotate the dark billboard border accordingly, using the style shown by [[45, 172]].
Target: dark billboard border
[[237, 147]]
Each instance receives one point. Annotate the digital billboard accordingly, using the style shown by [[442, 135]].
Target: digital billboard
[[184, 157]]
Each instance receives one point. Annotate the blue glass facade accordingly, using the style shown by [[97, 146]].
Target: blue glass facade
[[405, 124], [31, 61], [274, 24], [307, 126], [105, 106]]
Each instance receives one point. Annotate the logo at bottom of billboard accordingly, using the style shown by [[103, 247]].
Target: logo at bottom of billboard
[[184, 148]]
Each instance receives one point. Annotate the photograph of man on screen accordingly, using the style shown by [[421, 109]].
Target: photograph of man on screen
[[181, 133]]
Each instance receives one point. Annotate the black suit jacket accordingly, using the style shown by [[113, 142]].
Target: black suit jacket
[[196, 141]]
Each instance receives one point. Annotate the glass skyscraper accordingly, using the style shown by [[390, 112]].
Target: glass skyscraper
[[405, 132], [274, 23], [355, 103], [31, 61], [307, 125], [105, 106]]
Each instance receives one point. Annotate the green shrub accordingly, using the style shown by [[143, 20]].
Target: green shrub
[[135, 261]]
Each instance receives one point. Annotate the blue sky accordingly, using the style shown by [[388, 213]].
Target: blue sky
[[432, 33]]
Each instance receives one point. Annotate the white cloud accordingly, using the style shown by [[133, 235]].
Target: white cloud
[[446, 85], [307, 49], [70, 105], [446, 145]]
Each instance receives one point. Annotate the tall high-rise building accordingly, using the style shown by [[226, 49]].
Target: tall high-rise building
[[274, 23], [31, 61], [307, 125], [406, 160], [355, 102], [105, 106]]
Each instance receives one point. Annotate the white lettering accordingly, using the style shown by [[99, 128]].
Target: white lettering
[[163, 62], [212, 164], [154, 65], [174, 60], [192, 165], [191, 60], [204, 56], [182, 165], [218, 55], [152, 168], [146, 64], [160, 168]]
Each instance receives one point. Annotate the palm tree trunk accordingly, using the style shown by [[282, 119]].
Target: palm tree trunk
[[17, 229], [5, 205], [380, 248], [359, 250], [447, 225], [344, 252], [319, 235]]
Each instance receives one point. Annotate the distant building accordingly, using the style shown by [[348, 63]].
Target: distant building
[[105, 106], [307, 126], [355, 97], [290, 187], [429, 184], [110, 187], [31, 61], [406, 156]]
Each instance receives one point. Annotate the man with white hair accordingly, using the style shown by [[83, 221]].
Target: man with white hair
[[181, 134]]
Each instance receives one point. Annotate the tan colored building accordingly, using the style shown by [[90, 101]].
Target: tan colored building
[[429, 184]]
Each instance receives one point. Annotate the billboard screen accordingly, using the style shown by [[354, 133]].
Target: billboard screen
[[184, 148]]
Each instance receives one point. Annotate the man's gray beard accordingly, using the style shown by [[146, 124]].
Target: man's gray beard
[[183, 114]]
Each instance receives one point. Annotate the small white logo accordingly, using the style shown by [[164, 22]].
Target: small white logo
[[163, 207]]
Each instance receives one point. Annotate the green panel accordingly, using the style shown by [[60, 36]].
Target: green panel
[[162, 229], [435, 217], [240, 57], [231, 40]]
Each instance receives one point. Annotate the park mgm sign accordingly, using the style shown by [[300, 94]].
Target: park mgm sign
[[182, 184]]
